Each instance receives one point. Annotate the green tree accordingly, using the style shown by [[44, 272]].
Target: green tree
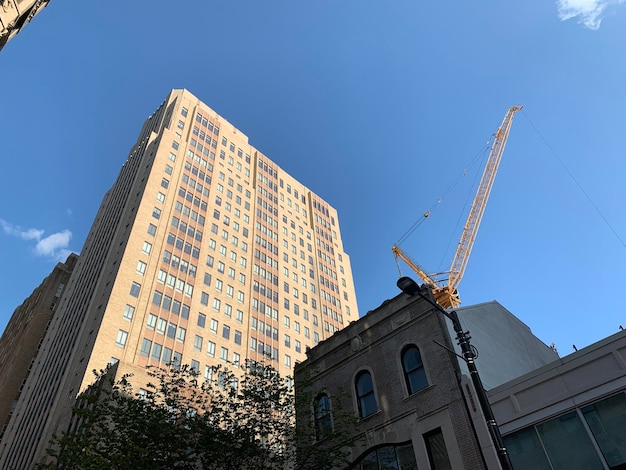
[[232, 421]]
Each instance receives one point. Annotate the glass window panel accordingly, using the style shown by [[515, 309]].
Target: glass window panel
[[607, 421], [567, 443], [437, 452], [526, 451]]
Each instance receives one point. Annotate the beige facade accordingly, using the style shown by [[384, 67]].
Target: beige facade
[[204, 252], [24, 333], [15, 14]]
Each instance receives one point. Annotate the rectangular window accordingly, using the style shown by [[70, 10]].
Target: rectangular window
[[156, 351], [129, 311], [147, 248], [224, 354], [122, 336], [197, 343], [180, 334], [237, 337], [145, 347], [226, 332], [211, 348], [152, 319], [214, 325], [436, 448], [134, 289], [184, 313], [167, 356], [201, 320], [141, 267]]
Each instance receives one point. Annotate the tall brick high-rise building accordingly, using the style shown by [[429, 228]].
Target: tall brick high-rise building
[[203, 252]]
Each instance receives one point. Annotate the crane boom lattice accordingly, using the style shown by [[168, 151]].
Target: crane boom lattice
[[446, 293]]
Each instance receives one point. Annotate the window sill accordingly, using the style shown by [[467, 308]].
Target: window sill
[[363, 419]]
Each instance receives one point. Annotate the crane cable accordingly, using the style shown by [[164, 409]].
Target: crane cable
[[575, 181], [426, 214], [463, 212]]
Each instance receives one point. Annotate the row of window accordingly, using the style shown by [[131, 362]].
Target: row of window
[[414, 377]]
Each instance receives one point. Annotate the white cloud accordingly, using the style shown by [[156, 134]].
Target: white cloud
[[587, 12], [17, 231], [53, 246]]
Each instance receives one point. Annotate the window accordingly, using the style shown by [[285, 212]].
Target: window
[[129, 311], [226, 332], [323, 423], [156, 351], [224, 354], [134, 289], [413, 369], [146, 344], [365, 397], [122, 336], [197, 343], [204, 298], [161, 197], [152, 319], [214, 325], [147, 248], [396, 456], [195, 366], [141, 267], [201, 320], [151, 229], [180, 334], [237, 337], [210, 348], [437, 452]]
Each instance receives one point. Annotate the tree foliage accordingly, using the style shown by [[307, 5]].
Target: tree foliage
[[179, 421]]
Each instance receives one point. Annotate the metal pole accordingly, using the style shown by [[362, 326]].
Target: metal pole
[[463, 339]]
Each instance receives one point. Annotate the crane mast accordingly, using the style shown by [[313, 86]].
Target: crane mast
[[446, 294]]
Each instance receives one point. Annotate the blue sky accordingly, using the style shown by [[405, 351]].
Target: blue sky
[[376, 106]]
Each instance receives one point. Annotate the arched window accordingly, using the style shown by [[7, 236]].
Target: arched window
[[323, 422], [365, 394], [413, 368]]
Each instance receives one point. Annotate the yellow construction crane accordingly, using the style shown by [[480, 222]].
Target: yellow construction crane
[[445, 284]]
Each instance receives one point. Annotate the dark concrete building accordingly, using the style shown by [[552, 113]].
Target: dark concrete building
[[406, 390], [397, 371], [24, 333]]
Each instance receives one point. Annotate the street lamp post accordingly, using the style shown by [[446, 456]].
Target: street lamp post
[[410, 287]]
